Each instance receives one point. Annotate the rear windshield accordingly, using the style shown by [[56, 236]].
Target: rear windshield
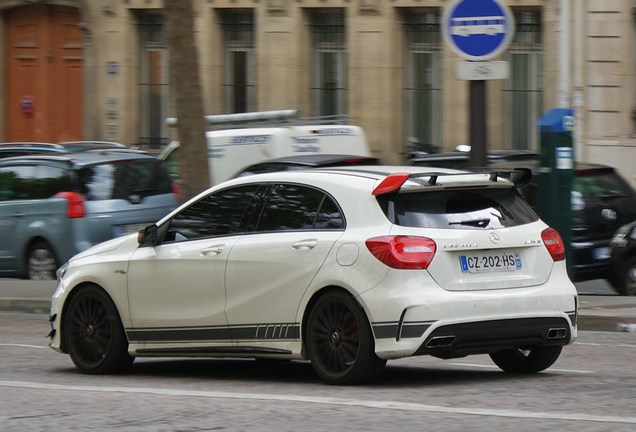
[[459, 209], [123, 179]]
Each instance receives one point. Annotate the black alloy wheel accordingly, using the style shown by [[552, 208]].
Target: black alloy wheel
[[531, 360], [94, 335], [339, 340]]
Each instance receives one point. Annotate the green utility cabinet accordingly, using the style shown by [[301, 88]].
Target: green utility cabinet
[[556, 173]]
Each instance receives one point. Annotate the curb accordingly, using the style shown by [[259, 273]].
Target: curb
[[26, 305]]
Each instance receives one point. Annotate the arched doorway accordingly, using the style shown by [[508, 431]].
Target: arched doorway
[[44, 74]]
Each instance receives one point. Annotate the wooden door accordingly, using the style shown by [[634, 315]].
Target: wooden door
[[44, 74]]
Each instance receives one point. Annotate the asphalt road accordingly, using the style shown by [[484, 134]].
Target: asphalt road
[[589, 389]]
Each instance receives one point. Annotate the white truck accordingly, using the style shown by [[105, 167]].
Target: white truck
[[231, 150]]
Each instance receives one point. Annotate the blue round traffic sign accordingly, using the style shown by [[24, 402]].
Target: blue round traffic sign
[[478, 29]]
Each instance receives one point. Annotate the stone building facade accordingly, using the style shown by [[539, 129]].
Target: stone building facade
[[382, 63]]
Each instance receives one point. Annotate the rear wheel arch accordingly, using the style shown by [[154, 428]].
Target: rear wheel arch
[[311, 304], [338, 339]]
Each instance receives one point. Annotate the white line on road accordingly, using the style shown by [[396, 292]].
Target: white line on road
[[475, 365], [613, 345], [388, 405], [23, 345]]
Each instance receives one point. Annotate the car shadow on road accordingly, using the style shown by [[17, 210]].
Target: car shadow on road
[[301, 372]]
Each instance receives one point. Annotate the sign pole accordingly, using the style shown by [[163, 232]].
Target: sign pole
[[479, 30], [478, 122]]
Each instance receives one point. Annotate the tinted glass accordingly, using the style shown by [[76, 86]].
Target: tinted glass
[[329, 215], [463, 209], [217, 214], [290, 207], [121, 180], [30, 182], [16, 182], [604, 185], [51, 180]]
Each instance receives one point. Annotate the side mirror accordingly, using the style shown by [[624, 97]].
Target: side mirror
[[147, 236]]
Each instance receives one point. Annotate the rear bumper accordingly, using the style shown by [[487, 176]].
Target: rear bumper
[[422, 318], [458, 340]]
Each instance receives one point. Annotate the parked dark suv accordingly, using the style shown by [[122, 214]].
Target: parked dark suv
[[54, 206]]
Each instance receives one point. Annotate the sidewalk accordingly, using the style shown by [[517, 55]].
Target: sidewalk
[[596, 312]]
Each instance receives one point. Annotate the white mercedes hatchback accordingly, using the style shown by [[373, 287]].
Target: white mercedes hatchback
[[344, 267]]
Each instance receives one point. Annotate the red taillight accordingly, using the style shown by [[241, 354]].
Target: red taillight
[[403, 252], [75, 207], [176, 189], [553, 243]]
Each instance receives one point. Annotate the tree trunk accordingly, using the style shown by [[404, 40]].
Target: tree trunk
[[186, 87]]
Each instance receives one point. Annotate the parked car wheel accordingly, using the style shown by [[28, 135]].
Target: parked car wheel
[[339, 341], [94, 335], [626, 281], [41, 262], [530, 360]]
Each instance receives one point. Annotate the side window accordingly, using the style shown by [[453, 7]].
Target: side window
[[329, 216], [293, 207], [17, 183], [217, 214], [51, 180]]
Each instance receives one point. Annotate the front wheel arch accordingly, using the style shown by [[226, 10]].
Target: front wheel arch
[[105, 349]]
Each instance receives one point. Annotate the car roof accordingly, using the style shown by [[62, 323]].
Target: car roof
[[44, 146], [319, 159], [80, 158], [581, 168], [410, 178], [73, 146], [492, 155]]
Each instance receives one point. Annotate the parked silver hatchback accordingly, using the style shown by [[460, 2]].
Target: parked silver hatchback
[[54, 206]]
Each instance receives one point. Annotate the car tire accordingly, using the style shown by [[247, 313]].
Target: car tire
[[93, 333], [41, 263], [531, 360], [339, 341], [626, 280]]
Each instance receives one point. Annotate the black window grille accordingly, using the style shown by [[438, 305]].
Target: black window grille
[[239, 84], [329, 49]]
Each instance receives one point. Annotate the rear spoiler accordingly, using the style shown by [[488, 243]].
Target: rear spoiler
[[394, 182]]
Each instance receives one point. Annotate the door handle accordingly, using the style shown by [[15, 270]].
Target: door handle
[[305, 244], [213, 250]]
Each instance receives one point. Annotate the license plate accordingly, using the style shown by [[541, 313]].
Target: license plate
[[601, 253], [490, 262]]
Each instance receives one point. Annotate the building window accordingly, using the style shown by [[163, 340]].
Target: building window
[[424, 80], [153, 81], [523, 91], [239, 75], [329, 62]]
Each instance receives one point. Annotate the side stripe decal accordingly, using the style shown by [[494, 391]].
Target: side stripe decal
[[282, 331]]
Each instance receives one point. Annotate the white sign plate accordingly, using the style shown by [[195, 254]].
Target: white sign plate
[[480, 71]]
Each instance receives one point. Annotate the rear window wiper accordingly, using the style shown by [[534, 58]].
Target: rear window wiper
[[480, 223]]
